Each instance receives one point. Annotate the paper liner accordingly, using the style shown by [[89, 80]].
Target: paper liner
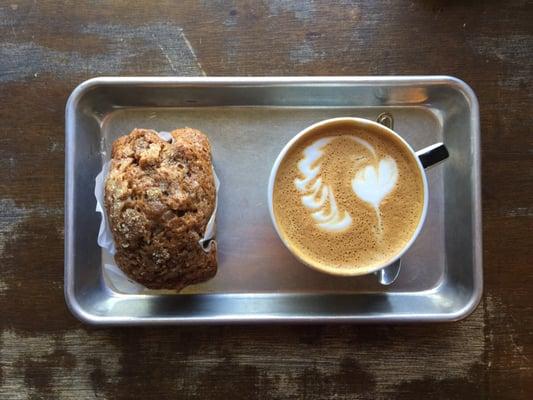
[[112, 273]]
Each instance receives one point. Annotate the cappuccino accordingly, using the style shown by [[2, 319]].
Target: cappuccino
[[348, 198]]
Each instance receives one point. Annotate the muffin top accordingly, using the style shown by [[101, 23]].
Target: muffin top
[[159, 197]]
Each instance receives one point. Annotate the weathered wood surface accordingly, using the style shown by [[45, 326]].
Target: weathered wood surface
[[47, 48]]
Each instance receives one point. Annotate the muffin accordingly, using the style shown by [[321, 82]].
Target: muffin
[[159, 197]]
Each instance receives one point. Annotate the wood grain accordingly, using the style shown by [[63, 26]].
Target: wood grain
[[47, 48]]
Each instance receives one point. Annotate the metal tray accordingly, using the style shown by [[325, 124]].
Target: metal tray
[[248, 121]]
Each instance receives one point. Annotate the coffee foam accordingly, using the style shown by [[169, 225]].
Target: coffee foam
[[317, 195], [347, 198]]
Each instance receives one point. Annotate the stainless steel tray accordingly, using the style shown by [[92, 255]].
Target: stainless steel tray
[[248, 121]]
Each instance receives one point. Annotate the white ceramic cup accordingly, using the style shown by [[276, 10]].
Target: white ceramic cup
[[423, 159]]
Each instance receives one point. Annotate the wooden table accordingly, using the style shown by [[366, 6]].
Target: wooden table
[[48, 47]]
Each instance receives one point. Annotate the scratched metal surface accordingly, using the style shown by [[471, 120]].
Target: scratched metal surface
[[47, 48], [248, 121]]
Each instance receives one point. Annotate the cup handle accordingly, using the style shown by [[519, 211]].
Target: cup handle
[[428, 156], [433, 154]]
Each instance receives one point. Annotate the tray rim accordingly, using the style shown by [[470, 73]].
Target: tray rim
[[404, 80]]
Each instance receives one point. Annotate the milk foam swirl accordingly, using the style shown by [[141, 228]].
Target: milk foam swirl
[[319, 195], [371, 184]]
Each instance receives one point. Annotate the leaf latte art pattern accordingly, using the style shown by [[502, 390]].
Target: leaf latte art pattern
[[317, 196], [371, 184]]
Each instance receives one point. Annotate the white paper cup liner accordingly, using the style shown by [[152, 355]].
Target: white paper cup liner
[[113, 275]]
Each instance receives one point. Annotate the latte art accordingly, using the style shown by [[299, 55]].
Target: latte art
[[370, 184], [346, 198], [318, 195]]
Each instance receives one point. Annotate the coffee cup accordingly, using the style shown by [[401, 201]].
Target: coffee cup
[[349, 196]]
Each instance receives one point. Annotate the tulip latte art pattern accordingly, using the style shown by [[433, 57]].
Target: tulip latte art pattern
[[372, 182]]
